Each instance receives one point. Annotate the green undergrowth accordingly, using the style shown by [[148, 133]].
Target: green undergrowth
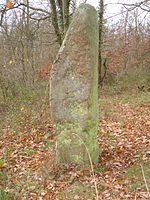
[[124, 89], [5, 195], [77, 191], [22, 107], [135, 177], [127, 82], [126, 97]]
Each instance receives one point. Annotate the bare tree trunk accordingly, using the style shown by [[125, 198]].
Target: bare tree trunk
[[137, 37], [66, 4], [4, 87], [24, 73], [55, 21], [29, 45], [125, 60], [100, 63], [60, 6]]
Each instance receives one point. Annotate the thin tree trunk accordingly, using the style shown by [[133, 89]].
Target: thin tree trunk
[[60, 6], [100, 63], [55, 21], [66, 4], [24, 72], [29, 45]]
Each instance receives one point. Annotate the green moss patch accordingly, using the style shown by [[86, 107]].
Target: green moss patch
[[135, 177], [77, 191]]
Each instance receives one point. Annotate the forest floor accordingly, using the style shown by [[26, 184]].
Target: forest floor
[[27, 152]]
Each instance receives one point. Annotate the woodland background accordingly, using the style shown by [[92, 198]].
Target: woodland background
[[30, 38]]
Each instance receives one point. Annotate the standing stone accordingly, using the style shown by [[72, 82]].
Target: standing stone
[[74, 90]]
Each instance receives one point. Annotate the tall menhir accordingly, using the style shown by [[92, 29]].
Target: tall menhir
[[74, 90]]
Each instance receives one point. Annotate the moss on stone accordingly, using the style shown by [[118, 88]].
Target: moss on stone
[[71, 137], [70, 148], [91, 140]]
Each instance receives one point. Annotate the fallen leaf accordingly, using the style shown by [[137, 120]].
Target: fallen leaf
[[9, 4]]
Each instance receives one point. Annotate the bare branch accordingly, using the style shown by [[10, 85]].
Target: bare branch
[[4, 10], [143, 5]]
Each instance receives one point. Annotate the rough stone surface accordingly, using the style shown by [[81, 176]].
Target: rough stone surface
[[74, 95]]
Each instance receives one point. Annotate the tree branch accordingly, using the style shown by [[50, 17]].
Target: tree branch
[[143, 5]]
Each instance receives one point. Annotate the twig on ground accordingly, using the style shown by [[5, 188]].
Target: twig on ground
[[145, 181], [135, 195]]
